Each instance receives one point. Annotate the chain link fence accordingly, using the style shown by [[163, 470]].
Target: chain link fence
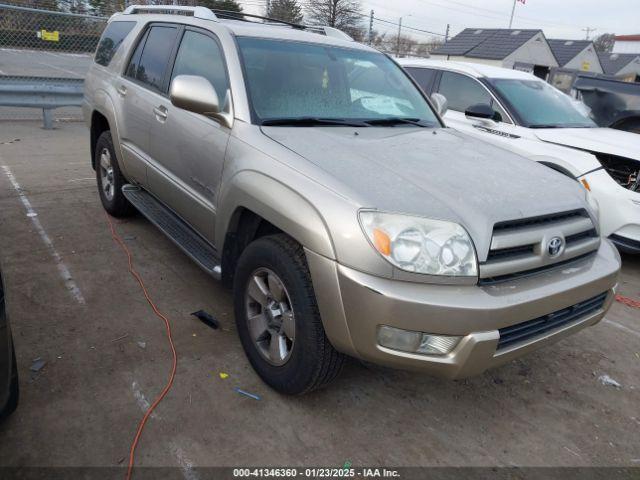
[[47, 40]]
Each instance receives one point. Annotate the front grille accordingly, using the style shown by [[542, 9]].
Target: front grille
[[625, 171], [538, 326], [533, 271], [504, 253], [541, 220], [520, 247]]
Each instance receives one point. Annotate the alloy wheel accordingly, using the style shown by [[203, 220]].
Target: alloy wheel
[[270, 317]]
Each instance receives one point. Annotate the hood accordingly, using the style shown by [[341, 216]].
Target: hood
[[435, 173], [599, 140]]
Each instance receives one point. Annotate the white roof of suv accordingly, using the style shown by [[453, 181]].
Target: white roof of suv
[[245, 25], [474, 69]]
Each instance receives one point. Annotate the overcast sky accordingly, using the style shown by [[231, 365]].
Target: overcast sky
[[558, 18]]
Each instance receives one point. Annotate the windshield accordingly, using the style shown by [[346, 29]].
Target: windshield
[[539, 105], [294, 80]]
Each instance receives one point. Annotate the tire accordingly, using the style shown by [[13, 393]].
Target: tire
[[14, 389], [110, 179], [310, 360]]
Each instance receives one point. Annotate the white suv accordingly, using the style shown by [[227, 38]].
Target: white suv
[[526, 115]]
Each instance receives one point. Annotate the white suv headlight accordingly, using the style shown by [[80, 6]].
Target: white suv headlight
[[421, 245]]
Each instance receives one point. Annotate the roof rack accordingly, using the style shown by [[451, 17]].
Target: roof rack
[[216, 14], [231, 15], [329, 32], [197, 12], [321, 29]]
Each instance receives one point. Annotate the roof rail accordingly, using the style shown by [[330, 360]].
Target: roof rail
[[231, 15], [216, 14], [197, 12], [329, 32]]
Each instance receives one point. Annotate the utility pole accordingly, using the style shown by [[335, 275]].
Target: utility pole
[[589, 30], [513, 12], [268, 8], [446, 34], [371, 28], [398, 42]]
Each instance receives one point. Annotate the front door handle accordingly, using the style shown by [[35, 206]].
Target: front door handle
[[161, 113], [122, 90]]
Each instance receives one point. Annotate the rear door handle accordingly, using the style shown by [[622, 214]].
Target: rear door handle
[[122, 90], [161, 113]]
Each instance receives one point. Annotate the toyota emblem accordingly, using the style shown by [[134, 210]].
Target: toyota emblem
[[555, 246]]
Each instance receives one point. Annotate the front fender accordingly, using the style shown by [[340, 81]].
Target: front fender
[[102, 103], [278, 204], [573, 163]]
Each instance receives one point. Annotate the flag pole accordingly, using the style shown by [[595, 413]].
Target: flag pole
[[513, 11]]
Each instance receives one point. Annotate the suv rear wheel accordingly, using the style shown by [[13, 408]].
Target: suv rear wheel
[[110, 179], [13, 394], [278, 319]]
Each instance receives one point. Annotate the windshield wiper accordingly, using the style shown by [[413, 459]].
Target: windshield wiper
[[397, 121], [542, 125], [312, 121]]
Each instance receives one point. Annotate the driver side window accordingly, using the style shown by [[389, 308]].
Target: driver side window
[[201, 55], [462, 92]]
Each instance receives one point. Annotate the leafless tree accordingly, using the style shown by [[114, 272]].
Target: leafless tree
[[342, 14], [604, 43]]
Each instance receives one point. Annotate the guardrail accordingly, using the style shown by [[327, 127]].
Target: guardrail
[[38, 92]]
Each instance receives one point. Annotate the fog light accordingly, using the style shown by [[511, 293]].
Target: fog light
[[416, 342], [437, 344], [398, 339]]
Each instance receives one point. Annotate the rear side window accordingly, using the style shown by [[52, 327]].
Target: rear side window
[[462, 91], [424, 77], [111, 39], [200, 55], [149, 62]]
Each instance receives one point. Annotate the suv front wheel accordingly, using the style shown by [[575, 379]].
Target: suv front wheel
[[278, 319]]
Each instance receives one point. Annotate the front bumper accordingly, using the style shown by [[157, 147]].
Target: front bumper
[[625, 244], [354, 304]]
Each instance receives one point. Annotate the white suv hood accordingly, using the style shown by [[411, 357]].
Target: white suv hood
[[601, 140]]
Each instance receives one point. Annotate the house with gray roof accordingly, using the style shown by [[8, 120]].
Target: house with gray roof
[[501, 47], [622, 65], [576, 55]]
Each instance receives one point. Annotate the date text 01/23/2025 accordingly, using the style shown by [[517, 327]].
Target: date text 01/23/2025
[[286, 473]]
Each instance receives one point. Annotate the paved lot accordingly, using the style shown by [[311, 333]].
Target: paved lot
[[43, 64], [83, 407]]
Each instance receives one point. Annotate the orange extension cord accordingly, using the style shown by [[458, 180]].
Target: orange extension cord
[[174, 365], [630, 302]]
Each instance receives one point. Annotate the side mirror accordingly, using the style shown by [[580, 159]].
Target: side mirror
[[197, 95], [441, 103], [483, 110]]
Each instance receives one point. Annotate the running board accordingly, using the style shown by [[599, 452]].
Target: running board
[[185, 237]]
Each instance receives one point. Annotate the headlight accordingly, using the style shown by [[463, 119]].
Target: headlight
[[421, 245]]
